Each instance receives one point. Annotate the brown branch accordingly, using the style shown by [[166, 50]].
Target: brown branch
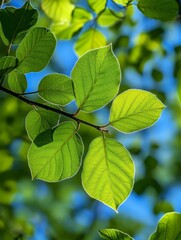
[[41, 105]]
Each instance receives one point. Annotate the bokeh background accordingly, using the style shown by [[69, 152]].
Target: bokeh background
[[149, 52]]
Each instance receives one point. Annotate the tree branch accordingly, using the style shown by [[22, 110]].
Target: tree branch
[[41, 105]]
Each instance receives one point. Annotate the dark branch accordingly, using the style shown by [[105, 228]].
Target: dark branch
[[41, 105]]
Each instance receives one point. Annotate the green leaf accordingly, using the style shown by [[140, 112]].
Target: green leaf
[[113, 234], [38, 121], [17, 81], [35, 50], [81, 15], [135, 110], [169, 227], [96, 77], [163, 9], [123, 2], [6, 160], [7, 64], [90, 39], [58, 10], [59, 159], [97, 5], [56, 88], [108, 172], [16, 22], [66, 29], [109, 18]]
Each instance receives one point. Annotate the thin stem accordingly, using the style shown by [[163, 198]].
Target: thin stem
[[2, 4], [8, 49], [27, 93], [33, 103]]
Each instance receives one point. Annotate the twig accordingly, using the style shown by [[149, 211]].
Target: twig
[[41, 105]]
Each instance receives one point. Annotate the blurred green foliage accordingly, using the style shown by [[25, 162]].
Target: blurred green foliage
[[55, 210]]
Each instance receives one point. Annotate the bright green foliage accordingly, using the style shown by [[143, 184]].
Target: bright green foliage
[[163, 9], [58, 10], [169, 227], [113, 234], [35, 50], [123, 2], [59, 159], [135, 110], [66, 29], [90, 39], [7, 64], [17, 81], [6, 160], [109, 18], [81, 15], [38, 121], [56, 88], [108, 172], [16, 22], [96, 78], [97, 5]]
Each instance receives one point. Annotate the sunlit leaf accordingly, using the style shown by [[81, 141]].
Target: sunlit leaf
[[35, 50], [169, 227], [6, 160], [7, 64], [16, 22], [90, 39], [109, 18], [108, 172], [97, 5], [40, 120], [58, 10], [162, 9], [59, 159], [81, 15], [113, 234], [134, 110], [66, 29], [123, 2], [96, 77], [56, 88], [17, 81]]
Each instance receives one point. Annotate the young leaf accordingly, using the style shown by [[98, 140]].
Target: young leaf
[[7, 64], [109, 18], [56, 88], [60, 10], [17, 81], [16, 22], [163, 9], [97, 5], [135, 110], [169, 227], [96, 77], [123, 2], [108, 172], [35, 50], [59, 159], [66, 29], [114, 234], [90, 39], [38, 121]]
